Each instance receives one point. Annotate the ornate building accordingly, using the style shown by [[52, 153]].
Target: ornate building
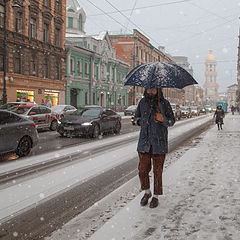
[[94, 74], [35, 56], [136, 49], [210, 85]]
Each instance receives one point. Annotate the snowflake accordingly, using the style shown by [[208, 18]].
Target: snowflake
[[15, 234], [42, 195]]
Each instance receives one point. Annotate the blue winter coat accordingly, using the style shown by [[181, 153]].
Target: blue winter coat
[[153, 133]]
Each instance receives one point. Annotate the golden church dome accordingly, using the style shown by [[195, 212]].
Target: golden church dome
[[210, 56]]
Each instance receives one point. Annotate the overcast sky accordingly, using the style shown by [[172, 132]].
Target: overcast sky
[[184, 27]]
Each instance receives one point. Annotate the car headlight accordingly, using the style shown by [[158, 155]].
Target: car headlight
[[59, 122], [87, 124]]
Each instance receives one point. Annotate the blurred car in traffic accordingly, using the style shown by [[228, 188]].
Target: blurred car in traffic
[[201, 110], [8, 105], [194, 111], [90, 121], [176, 111], [17, 134], [63, 110], [208, 108], [186, 112], [42, 116], [130, 110]]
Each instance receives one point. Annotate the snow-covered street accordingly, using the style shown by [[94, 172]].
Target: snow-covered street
[[201, 197]]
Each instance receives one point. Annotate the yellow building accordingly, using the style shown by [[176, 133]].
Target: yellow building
[[210, 86]]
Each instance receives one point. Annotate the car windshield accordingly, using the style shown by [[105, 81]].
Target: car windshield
[[194, 107], [132, 107], [173, 107], [93, 112], [19, 110], [184, 108], [57, 108]]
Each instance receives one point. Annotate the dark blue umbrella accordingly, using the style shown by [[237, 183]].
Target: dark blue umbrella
[[159, 75]]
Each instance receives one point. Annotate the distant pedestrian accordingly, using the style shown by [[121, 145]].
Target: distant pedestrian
[[219, 114], [43, 102], [154, 114], [49, 103], [232, 109]]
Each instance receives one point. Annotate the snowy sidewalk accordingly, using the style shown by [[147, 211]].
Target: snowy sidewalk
[[201, 195]]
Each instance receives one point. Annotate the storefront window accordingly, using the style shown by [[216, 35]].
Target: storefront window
[[52, 95], [25, 96]]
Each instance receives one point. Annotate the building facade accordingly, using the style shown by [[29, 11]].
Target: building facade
[[35, 53], [232, 95], [94, 74], [210, 85], [136, 49]]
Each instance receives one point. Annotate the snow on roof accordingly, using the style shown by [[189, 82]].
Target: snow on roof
[[74, 35], [101, 36]]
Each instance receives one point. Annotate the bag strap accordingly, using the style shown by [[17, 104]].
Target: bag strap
[[159, 93]]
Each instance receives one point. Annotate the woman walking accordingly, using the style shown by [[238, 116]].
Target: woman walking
[[219, 114]]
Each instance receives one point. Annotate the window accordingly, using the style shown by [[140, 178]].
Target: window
[[45, 110], [79, 66], [45, 3], [57, 70], [86, 68], [6, 118], [33, 28], [70, 22], [72, 65], [17, 63], [94, 48], [57, 6], [1, 16], [36, 110], [18, 22], [86, 98], [80, 27], [33, 66], [45, 32], [94, 98], [57, 37], [45, 69]]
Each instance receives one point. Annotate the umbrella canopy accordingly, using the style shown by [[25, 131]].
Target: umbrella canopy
[[159, 75]]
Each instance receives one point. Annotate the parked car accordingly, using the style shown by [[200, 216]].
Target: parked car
[[42, 116], [90, 121], [130, 110], [17, 134], [177, 111], [194, 111], [186, 112], [201, 110], [63, 110], [8, 105]]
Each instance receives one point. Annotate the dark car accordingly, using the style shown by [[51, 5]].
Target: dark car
[[17, 134], [130, 110], [201, 110], [90, 121], [42, 116], [186, 112]]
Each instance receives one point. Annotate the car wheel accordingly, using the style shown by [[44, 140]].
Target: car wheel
[[53, 126], [96, 131], [24, 147], [117, 128]]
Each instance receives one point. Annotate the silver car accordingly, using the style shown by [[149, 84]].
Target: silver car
[[63, 110], [17, 134]]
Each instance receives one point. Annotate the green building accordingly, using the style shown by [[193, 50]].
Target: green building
[[94, 76]]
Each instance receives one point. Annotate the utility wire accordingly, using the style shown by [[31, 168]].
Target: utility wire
[[105, 13], [131, 14], [150, 6]]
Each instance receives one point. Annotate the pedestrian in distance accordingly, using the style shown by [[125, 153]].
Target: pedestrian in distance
[[219, 115], [232, 109], [154, 114], [49, 103]]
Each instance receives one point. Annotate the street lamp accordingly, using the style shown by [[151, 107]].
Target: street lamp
[[15, 5]]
